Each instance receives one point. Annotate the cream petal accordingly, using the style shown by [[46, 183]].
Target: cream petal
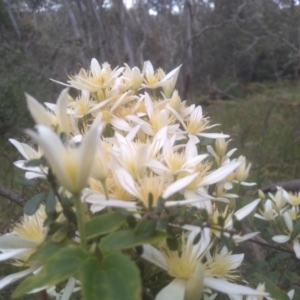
[[24, 149], [178, 185], [154, 256], [213, 135], [14, 277], [231, 288], [281, 238], [296, 247], [174, 290], [220, 173], [12, 254], [11, 241]]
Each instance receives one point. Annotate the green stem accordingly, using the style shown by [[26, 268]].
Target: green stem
[[103, 182], [80, 212]]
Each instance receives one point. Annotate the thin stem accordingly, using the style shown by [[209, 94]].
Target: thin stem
[[80, 212], [103, 182]]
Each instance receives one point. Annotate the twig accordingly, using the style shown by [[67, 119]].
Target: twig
[[12, 196], [270, 246]]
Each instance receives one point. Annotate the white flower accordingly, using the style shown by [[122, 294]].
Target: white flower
[[285, 238], [22, 242], [191, 275], [71, 165]]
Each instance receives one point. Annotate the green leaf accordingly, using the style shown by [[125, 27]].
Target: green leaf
[[104, 224], [23, 181], [59, 267], [271, 287], [34, 203], [62, 233], [292, 277], [35, 162], [146, 227], [117, 278], [127, 239], [46, 250], [172, 243], [50, 203], [296, 230]]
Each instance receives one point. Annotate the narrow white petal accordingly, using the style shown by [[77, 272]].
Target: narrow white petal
[[24, 149], [231, 288], [62, 104], [11, 241], [214, 135], [12, 254], [53, 148], [174, 290], [14, 277], [220, 174], [154, 256], [296, 247], [38, 111], [178, 185], [280, 238], [68, 290], [288, 221], [246, 210]]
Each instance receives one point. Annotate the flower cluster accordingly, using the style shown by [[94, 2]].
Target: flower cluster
[[283, 210], [127, 147]]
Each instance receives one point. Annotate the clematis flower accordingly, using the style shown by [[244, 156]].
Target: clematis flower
[[22, 242], [71, 165], [29, 153], [156, 79], [191, 275], [285, 238]]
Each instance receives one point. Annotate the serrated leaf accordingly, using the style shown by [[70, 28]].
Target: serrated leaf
[[34, 203], [23, 181], [116, 278], [104, 224], [59, 267], [271, 287], [296, 230], [127, 239]]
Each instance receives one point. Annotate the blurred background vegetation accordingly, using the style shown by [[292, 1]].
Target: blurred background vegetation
[[240, 60]]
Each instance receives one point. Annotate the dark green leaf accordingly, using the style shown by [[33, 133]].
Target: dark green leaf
[[117, 278], [271, 287], [237, 225], [221, 221], [50, 203], [59, 267], [146, 227], [127, 239], [204, 214], [197, 238], [296, 230], [293, 277], [229, 243], [172, 244], [104, 224], [131, 221], [23, 181], [35, 162], [150, 201], [46, 250], [62, 233], [34, 203]]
